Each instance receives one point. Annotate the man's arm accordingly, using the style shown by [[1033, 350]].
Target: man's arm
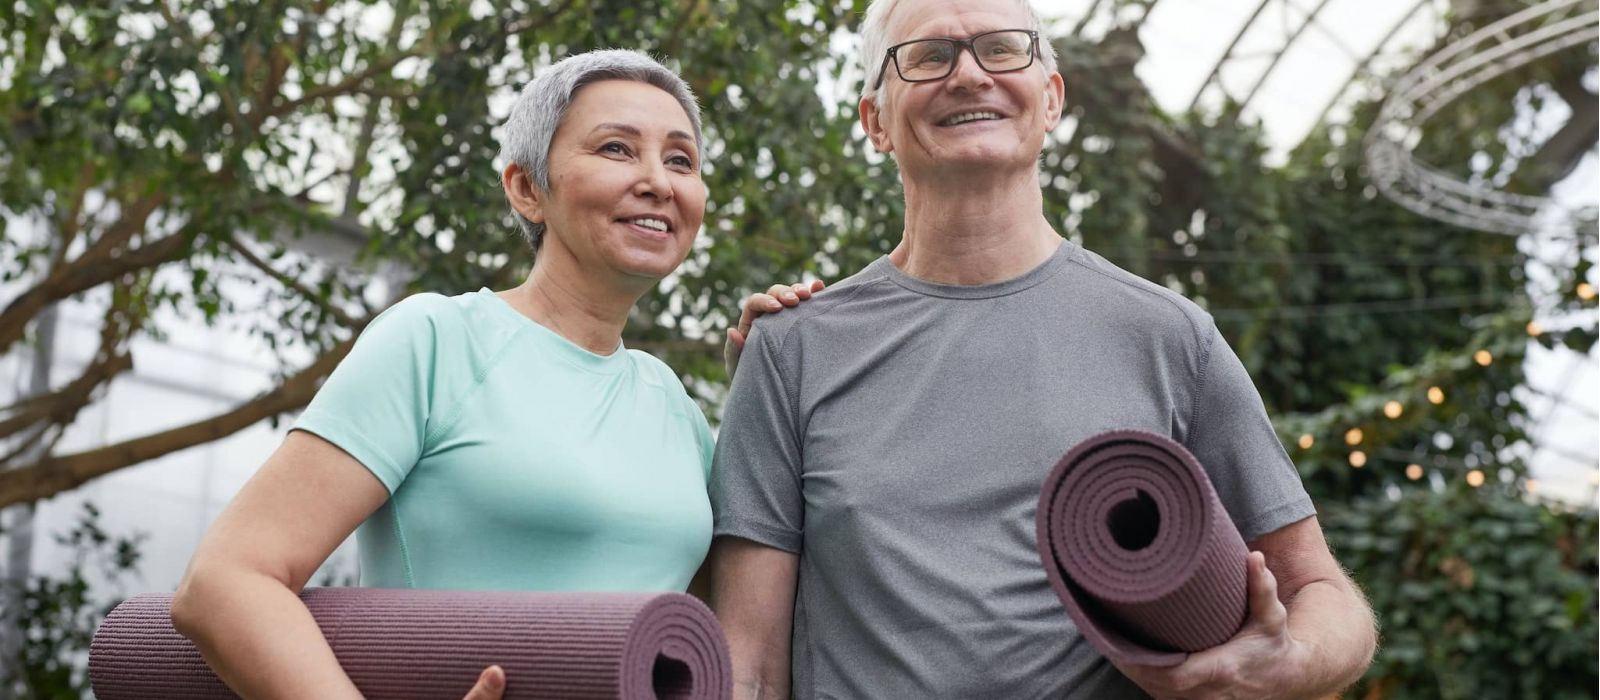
[[1310, 632], [752, 593]]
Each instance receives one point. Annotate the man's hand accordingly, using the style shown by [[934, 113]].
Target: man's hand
[[1259, 661], [491, 685]]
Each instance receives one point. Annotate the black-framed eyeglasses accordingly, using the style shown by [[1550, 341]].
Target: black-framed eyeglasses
[[922, 60]]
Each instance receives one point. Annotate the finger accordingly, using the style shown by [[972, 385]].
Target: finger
[[1265, 608], [817, 286], [731, 351], [783, 293], [759, 303], [802, 290], [491, 685]]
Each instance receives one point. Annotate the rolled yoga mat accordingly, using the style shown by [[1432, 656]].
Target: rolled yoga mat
[[416, 645], [1140, 550]]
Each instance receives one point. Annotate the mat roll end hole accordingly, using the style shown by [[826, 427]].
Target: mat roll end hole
[[671, 679], [1134, 523]]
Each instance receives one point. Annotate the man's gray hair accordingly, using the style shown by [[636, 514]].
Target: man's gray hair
[[875, 41], [543, 104]]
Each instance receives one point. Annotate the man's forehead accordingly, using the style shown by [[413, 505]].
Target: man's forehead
[[919, 19]]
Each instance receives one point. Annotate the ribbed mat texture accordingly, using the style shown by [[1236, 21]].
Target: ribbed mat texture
[[1140, 550], [416, 645]]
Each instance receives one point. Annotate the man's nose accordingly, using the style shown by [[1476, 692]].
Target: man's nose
[[967, 74]]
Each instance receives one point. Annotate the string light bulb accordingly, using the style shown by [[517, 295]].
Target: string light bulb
[[1435, 395], [1532, 485], [1475, 478], [1358, 459], [1534, 329], [1393, 409], [1483, 358], [1586, 291], [1413, 471], [1353, 436], [1306, 441]]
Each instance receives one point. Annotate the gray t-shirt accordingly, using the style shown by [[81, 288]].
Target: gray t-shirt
[[895, 434]]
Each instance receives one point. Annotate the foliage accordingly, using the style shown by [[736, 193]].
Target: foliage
[[60, 615], [1480, 593], [198, 157]]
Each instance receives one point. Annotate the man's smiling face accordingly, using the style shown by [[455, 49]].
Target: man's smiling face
[[970, 119]]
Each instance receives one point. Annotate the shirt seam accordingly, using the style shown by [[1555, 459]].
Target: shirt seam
[[459, 407], [792, 394], [1203, 343], [1271, 514], [1044, 277]]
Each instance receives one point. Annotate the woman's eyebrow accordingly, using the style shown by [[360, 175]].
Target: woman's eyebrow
[[628, 129]]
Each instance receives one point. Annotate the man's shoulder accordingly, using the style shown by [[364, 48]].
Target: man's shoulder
[[1134, 300], [866, 286]]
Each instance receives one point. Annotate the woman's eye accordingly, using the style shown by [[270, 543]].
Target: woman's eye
[[614, 147], [681, 161]]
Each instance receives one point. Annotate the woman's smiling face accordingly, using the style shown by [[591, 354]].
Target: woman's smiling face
[[625, 190]]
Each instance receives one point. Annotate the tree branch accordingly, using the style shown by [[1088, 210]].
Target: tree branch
[[85, 273], [53, 475], [121, 320], [348, 85], [255, 261], [62, 406]]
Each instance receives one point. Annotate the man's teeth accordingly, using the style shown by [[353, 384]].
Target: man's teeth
[[656, 224], [968, 117]]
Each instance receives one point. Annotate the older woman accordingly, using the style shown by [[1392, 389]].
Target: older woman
[[494, 440], [877, 475]]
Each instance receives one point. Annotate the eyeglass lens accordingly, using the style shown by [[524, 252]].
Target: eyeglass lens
[[931, 59]]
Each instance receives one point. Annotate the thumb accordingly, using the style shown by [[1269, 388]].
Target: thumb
[[731, 351], [1265, 608], [490, 686]]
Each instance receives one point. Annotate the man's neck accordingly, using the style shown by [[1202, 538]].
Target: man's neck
[[975, 232]]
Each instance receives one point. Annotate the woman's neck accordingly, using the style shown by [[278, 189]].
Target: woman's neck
[[588, 311]]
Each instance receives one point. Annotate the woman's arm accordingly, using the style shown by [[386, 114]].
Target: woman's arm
[[239, 600]]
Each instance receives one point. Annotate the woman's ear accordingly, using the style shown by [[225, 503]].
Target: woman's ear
[[524, 196]]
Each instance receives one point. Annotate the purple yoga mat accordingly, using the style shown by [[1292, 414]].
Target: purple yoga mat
[[416, 645], [1139, 549]]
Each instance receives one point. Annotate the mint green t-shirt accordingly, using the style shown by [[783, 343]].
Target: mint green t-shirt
[[514, 459]]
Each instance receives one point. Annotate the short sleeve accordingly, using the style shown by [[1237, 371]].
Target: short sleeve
[[1231, 435], [378, 403], [755, 475]]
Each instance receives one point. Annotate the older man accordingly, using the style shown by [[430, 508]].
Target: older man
[[884, 446]]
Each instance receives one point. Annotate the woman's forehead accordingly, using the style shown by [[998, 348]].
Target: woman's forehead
[[628, 101]]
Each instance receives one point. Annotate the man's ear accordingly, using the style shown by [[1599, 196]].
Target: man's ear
[[871, 122], [524, 196], [1055, 97]]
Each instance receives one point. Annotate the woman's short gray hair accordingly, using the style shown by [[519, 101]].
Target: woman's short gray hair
[[875, 41], [543, 104]]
